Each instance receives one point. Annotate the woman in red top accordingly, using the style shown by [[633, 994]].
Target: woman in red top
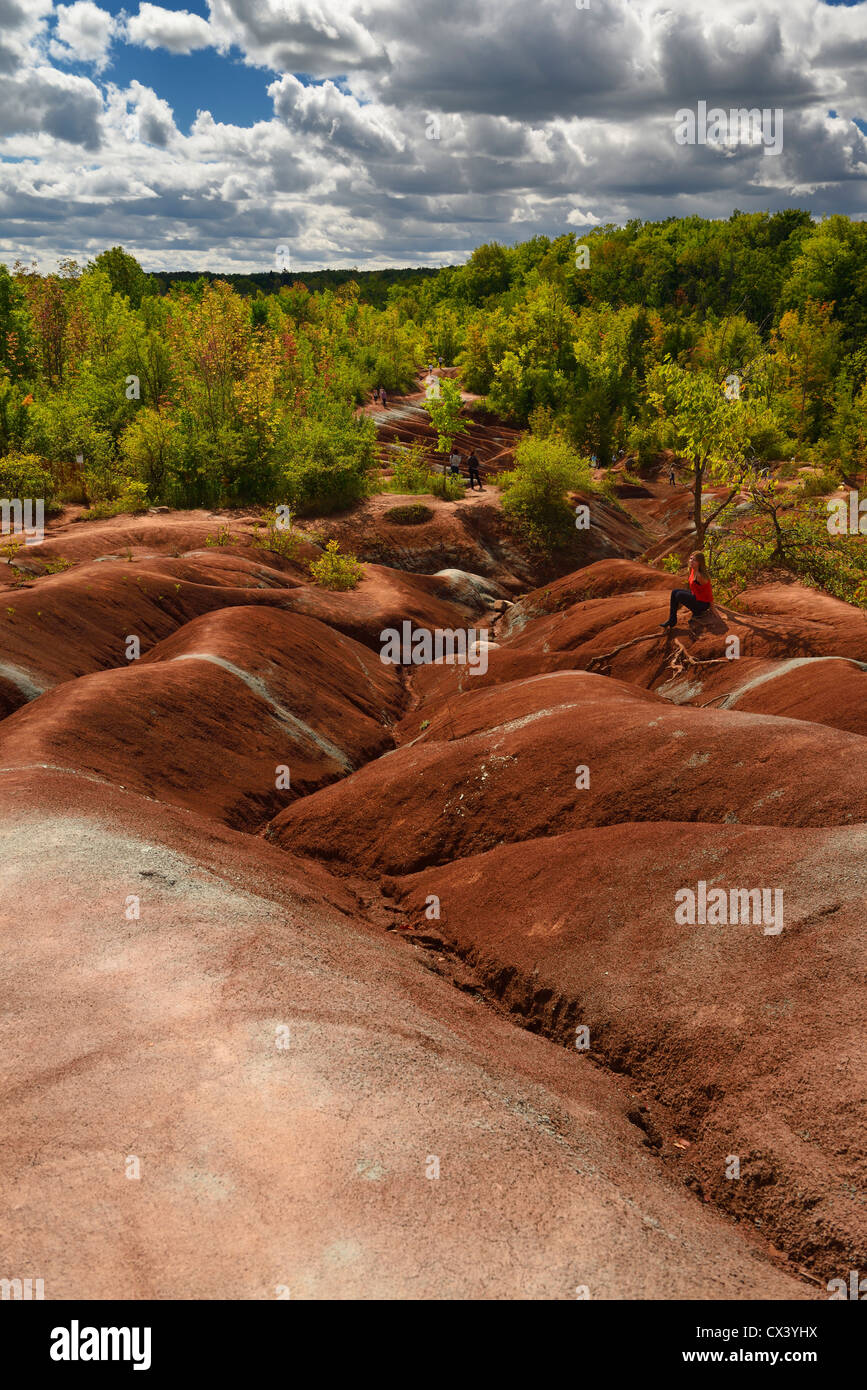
[[698, 597]]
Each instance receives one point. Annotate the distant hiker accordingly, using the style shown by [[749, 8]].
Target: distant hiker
[[671, 478], [473, 466], [455, 463], [698, 597], [382, 396], [440, 360], [376, 393]]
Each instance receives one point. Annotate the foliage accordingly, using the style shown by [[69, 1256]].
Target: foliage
[[278, 535], [194, 389], [411, 473], [413, 514], [335, 571], [785, 535], [534, 492], [23, 476], [223, 537], [444, 410], [327, 462], [819, 484]]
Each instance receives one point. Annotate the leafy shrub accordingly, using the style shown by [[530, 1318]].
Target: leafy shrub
[[132, 499], [327, 463], [534, 492], [415, 514], [411, 473], [796, 539], [820, 484], [60, 430], [410, 470], [151, 450], [25, 476], [335, 571], [279, 536], [223, 537]]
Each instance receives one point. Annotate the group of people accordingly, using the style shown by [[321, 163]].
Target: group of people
[[379, 395], [455, 462]]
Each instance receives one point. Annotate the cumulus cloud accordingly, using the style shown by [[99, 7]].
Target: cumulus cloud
[[41, 100], [83, 34], [326, 113], [406, 133], [179, 31], [321, 37], [151, 119]]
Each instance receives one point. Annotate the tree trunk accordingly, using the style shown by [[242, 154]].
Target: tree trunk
[[697, 489]]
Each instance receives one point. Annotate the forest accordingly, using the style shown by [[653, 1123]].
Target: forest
[[733, 344]]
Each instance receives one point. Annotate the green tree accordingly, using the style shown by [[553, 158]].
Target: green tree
[[708, 430], [124, 273]]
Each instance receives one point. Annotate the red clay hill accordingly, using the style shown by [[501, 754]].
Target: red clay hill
[[357, 980]]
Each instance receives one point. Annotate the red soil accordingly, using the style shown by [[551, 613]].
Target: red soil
[[286, 1003]]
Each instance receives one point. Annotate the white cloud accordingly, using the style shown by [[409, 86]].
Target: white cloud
[[324, 112], [547, 118], [177, 30], [576, 218], [322, 37], [84, 33], [151, 119]]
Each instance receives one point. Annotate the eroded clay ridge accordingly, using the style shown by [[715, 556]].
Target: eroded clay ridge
[[203, 846]]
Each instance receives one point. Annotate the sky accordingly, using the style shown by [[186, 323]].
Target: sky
[[371, 133]]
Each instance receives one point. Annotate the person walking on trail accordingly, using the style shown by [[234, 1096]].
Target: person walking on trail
[[455, 463], [671, 478], [382, 400], [376, 393], [473, 466], [698, 597]]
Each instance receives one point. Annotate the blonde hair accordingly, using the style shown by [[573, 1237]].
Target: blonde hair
[[699, 564]]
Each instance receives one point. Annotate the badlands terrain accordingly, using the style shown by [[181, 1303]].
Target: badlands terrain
[[423, 1022]]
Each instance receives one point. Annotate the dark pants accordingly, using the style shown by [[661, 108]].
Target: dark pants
[[474, 478], [684, 598]]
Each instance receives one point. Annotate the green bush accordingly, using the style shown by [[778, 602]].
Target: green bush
[[151, 450], [25, 476], [326, 463], [60, 430], [279, 536], [820, 484], [801, 545], [411, 473], [335, 571], [415, 514], [534, 492], [133, 498]]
